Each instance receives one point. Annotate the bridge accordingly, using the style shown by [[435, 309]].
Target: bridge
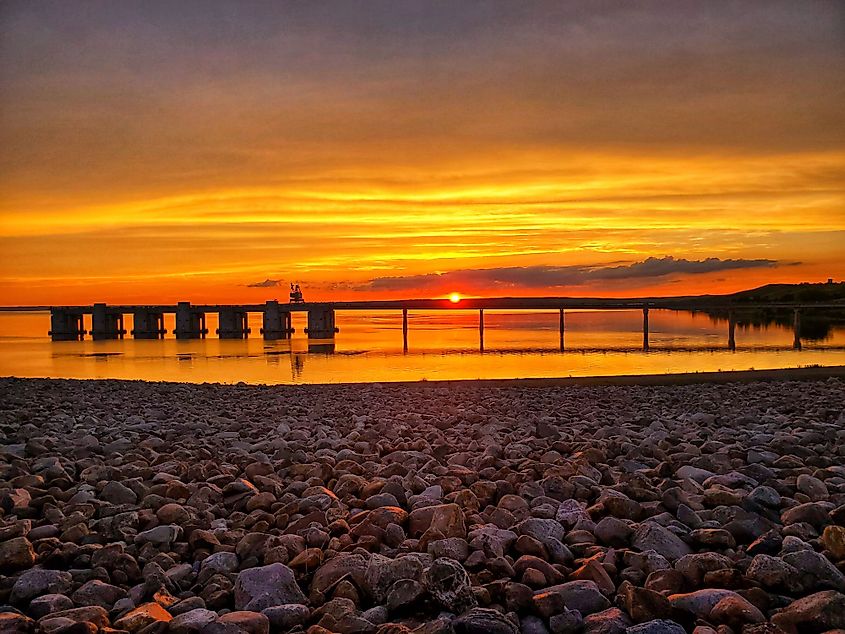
[[107, 321]]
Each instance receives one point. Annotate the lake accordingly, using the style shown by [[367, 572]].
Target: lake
[[441, 345]]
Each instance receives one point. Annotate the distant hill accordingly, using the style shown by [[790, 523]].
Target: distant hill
[[804, 292]]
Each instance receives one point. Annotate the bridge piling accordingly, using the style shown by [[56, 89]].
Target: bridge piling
[[276, 323], [66, 325], [148, 324], [321, 323], [190, 323], [481, 329], [645, 327], [561, 329], [232, 324], [796, 328], [106, 324], [405, 330]]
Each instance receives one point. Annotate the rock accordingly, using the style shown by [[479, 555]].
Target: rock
[[14, 623], [815, 570], [16, 553], [163, 535], [701, 602], [37, 581], [245, 621], [117, 493], [583, 596], [734, 609], [613, 532], [610, 621], [657, 626], [772, 572], [446, 519], [191, 622], [812, 487], [566, 622], [484, 621], [224, 562], [404, 594], [267, 586], [95, 592], [651, 536], [143, 616], [765, 496], [286, 617], [89, 614], [448, 583], [47, 604], [818, 612], [833, 539]]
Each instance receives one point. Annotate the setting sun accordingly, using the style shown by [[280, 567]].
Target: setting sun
[[454, 298]]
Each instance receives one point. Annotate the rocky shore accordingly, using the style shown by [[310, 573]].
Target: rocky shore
[[465, 508]]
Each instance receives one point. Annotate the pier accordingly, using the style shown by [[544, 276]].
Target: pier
[[107, 321]]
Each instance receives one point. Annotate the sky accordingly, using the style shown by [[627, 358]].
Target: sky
[[217, 151]]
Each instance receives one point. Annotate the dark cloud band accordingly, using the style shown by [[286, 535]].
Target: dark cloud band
[[556, 276]]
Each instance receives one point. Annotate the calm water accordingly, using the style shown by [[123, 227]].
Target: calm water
[[442, 345]]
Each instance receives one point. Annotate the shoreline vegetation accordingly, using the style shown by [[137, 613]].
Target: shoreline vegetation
[[464, 507]]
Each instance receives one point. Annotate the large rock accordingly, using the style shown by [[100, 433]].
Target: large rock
[[37, 581], [701, 602], [818, 612], [96, 592], [266, 586], [484, 621], [16, 553], [583, 596], [448, 519], [192, 621], [651, 536], [817, 573], [448, 582]]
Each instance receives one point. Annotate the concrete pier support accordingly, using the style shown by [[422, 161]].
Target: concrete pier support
[[148, 324], [645, 327], [405, 329], [106, 324], [561, 329], [796, 329], [233, 324], [276, 323], [66, 325], [321, 324], [731, 331], [190, 324], [481, 329]]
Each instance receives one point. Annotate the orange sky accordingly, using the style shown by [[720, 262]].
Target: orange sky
[[207, 151]]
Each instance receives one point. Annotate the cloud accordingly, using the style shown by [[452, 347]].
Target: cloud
[[543, 276], [268, 283]]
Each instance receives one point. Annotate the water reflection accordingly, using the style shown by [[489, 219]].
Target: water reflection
[[438, 345]]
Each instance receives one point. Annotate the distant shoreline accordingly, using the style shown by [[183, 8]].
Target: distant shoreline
[[814, 373]]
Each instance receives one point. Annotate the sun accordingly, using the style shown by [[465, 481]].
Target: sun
[[455, 298]]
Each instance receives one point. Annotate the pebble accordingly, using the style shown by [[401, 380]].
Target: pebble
[[211, 509]]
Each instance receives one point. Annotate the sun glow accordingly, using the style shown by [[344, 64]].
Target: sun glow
[[455, 298]]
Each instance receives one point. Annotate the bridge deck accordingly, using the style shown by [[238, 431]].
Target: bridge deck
[[488, 303]]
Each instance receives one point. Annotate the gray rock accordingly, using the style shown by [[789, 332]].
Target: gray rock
[[652, 536], [448, 582], [484, 621], [266, 586], [38, 581]]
